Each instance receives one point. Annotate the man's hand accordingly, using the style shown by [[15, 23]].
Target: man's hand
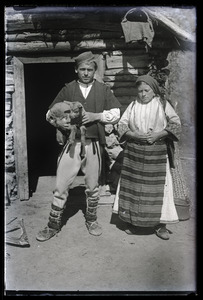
[[90, 117]]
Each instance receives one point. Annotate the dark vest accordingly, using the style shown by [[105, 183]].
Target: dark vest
[[95, 102], [90, 106]]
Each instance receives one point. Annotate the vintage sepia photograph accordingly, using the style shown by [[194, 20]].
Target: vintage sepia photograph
[[100, 150]]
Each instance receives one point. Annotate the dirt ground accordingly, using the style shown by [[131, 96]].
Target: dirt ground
[[77, 262]]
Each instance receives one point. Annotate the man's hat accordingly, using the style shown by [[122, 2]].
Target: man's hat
[[85, 57]]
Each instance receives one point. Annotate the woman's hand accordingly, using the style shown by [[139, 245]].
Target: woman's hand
[[152, 137], [139, 137]]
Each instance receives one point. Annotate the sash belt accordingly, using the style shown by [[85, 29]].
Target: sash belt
[[147, 144]]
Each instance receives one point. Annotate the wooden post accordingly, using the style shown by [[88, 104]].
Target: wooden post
[[19, 118]]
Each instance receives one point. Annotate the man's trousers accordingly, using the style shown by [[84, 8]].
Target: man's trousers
[[69, 164]]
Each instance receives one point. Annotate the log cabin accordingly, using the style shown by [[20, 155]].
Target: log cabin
[[40, 46]]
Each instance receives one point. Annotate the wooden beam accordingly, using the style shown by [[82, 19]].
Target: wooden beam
[[120, 78], [20, 142], [68, 46], [114, 85], [125, 71], [31, 22], [45, 59], [125, 91], [128, 52], [60, 35], [141, 61], [10, 88]]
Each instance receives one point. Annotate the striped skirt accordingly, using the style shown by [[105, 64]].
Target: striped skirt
[[142, 184]]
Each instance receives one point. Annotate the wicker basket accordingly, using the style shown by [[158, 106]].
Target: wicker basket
[[181, 194]]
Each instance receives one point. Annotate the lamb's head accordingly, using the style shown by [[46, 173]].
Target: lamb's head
[[76, 113], [62, 111]]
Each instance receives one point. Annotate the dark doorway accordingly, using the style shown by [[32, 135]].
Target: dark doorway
[[43, 81]]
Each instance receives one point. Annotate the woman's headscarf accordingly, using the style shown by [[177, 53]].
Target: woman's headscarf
[[151, 82]]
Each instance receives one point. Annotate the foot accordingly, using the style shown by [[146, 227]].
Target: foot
[[94, 228], [163, 233], [131, 229], [46, 234]]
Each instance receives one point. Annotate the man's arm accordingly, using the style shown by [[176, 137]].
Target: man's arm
[[107, 116]]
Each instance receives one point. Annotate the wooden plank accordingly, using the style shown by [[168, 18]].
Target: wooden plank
[[49, 47], [13, 48], [115, 85], [125, 71], [9, 79], [8, 96], [10, 88], [22, 47], [30, 22], [128, 91], [128, 52], [20, 143], [61, 35], [140, 61], [46, 59], [9, 68], [120, 78]]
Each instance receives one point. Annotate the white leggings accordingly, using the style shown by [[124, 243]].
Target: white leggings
[[69, 164]]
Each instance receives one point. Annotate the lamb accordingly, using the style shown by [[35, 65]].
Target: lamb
[[69, 113]]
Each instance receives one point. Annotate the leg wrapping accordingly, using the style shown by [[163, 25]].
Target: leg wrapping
[[91, 210], [55, 217]]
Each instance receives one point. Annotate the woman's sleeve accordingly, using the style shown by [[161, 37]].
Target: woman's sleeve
[[173, 122]]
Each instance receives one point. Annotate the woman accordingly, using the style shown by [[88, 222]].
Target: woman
[[149, 126]]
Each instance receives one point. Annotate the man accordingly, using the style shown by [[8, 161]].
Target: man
[[101, 107]]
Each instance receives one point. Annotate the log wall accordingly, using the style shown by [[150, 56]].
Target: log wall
[[49, 34], [10, 171]]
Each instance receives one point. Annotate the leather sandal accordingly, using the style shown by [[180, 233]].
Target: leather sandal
[[131, 229], [94, 228], [46, 234], [163, 233]]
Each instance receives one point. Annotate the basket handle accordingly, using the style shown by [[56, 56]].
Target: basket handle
[[134, 9]]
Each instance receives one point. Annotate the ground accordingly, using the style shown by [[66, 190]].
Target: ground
[[77, 261]]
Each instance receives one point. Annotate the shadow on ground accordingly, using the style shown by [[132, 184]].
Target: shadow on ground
[[76, 202]]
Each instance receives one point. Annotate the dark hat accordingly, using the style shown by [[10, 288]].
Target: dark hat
[[85, 56]]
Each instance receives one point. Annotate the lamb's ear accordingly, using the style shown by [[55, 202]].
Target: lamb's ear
[[78, 104], [81, 107]]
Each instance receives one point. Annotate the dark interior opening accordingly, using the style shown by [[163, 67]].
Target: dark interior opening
[[43, 81]]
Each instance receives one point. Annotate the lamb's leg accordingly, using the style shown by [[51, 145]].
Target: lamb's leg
[[60, 137], [83, 134], [72, 136]]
